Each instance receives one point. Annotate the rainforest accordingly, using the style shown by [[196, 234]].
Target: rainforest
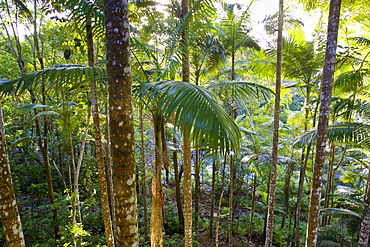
[[184, 123]]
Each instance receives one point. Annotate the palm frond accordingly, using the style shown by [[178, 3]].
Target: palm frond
[[194, 107], [340, 211], [241, 89], [52, 77], [346, 107], [80, 9], [362, 41], [357, 133], [351, 80]]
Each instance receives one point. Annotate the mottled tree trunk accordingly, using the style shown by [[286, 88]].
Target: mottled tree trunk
[[103, 185], [275, 141], [121, 121], [322, 127], [8, 206]]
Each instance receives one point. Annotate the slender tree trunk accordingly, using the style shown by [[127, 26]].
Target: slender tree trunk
[[186, 136], [197, 189], [364, 234], [143, 176], [121, 121], [156, 220], [302, 176], [275, 141], [322, 127], [288, 177], [187, 190], [8, 206], [177, 185], [43, 146], [76, 201], [252, 208], [109, 173], [103, 184], [329, 184], [231, 202], [220, 204], [210, 231]]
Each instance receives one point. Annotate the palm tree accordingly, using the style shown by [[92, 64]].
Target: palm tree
[[275, 142], [322, 127], [121, 121], [8, 207]]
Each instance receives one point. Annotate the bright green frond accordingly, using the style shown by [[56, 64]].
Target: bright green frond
[[194, 107], [356, 133], [52, 77]]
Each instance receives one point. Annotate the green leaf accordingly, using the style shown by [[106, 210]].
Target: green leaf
[[30, 107]]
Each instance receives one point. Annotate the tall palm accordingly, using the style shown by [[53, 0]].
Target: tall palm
[[322, 129], [275, 142], [121, 121]]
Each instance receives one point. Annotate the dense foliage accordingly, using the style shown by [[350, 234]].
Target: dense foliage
[[226, 111]]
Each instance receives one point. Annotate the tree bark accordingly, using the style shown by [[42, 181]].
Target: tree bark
[[187, 190], [8, 206], [231, 202], [275, 141], [103, 185], [322, 127], [121, 121], [177, 185], [156, 219], [197, 189], [143, 176]]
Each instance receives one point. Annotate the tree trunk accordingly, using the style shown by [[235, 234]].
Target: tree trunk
[[121, 121], [187, 190], [8, 206], [231, 202], [220, 204], [252, 208], [177, 185], [186, 136], [197, 189], [364, 234], [275, 141], [156, 219], [302, 176], [43, 146], [143, 177], [210, 231], [322, 127], [288, 177], [109, 173], [329, 184], [103, 185]]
